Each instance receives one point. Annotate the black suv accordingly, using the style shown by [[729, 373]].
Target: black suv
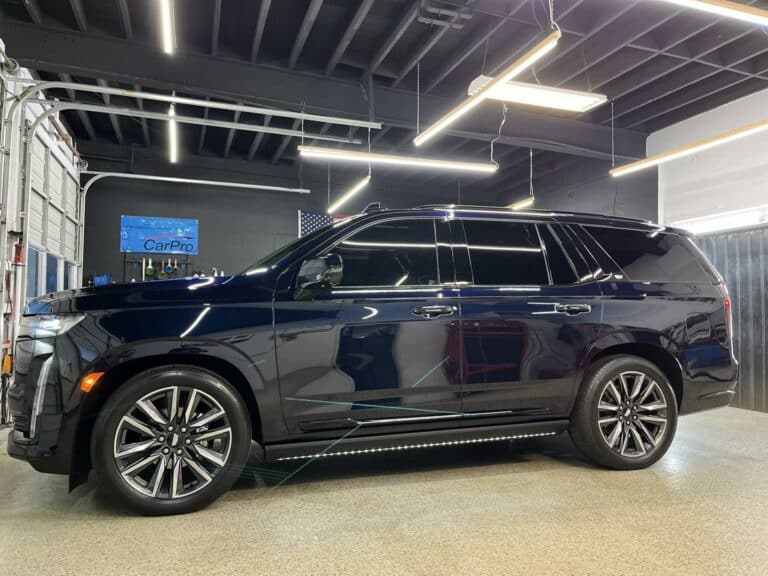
[[390, 330]]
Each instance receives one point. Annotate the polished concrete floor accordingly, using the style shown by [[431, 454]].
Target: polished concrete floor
[[527, 508]]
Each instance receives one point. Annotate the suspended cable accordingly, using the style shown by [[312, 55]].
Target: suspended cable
[[613, 140], [501, 127], [418, 97]]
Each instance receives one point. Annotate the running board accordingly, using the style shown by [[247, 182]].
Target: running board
[[351, 445]]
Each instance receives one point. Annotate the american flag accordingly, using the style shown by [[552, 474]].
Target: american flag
[[310, 220]]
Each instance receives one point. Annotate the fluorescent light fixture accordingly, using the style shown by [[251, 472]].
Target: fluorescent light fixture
[[727, 9], [526, 61], [731, 220], [166, 25], [373, 158], [349, 193], [173, 136], [691, 149], [541, 96], [520, 204]]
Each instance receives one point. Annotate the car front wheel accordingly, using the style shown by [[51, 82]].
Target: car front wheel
[[171, 440], [626, 414]]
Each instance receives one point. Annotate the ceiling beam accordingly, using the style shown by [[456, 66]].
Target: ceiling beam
[[284, 143], [121, 61], [79, 12], [215, 26], [201, 143], [85, 119], [349, 33], [125, 19], [408, 16], [257, 139], [112, 118], [258, 33], [144, 123], [231, 134], [306, 27]]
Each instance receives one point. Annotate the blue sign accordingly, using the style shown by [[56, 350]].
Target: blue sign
[[158, 235]]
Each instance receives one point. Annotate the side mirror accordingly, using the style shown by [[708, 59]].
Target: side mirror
[[318, 273]]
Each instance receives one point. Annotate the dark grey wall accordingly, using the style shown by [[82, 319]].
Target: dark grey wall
[[585, 186]]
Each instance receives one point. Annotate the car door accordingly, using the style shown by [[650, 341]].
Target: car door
[[533, 306], [383, 345]]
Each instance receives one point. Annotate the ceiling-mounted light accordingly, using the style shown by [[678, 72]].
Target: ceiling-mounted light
[[691, 149], [173, 136], [525, 203], [727, 9], [349, 193], [166, 25], [518, 66], [373, 158], [541, 96]]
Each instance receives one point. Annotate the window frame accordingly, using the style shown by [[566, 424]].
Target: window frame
[[403, 287]]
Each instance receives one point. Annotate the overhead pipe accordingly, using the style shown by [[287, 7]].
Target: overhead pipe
[[97, 176]]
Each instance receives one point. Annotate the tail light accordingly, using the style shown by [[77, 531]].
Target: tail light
[[728, 310]]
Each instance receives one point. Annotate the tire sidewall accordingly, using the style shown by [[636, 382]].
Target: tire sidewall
[[123, 399], [587, 428]]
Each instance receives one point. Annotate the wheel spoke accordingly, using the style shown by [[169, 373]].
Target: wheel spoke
[[614, 437], [210, 455], [624, 385], [652, 419], [653, 407], [624, 440], [607, 407], [147, 406], [639, 445], [176, 482], [648, 389], [140, 465], [614, 392], [609, 420], [197, 469], [637, 385], [139, 426], [205, 419], [212, 434], [134, 448], [157, 478], [651, 438], [191, 406], [173, 404]]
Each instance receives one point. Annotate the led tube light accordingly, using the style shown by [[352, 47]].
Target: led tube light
[[727, 9], [373, 158], [526, 61], [526, 203], [541, 96], [166, 25], [691, 149], [349, 193], [173, 136]]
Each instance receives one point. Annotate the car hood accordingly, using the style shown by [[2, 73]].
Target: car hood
[[180, 292]]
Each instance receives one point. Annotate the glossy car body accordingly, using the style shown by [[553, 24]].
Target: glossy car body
[[493, 358]]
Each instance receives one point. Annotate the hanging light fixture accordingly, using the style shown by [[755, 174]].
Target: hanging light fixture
[[727, 9], [538, 95], [173, 136], [691, 149], [374, 158], [166, 25], [523, 63], [349, 194]]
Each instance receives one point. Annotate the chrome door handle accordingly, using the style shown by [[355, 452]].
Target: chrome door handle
[[573, 309], [433, 311]]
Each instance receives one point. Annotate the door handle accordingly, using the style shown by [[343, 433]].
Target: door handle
[[573, 309], [433, 311]]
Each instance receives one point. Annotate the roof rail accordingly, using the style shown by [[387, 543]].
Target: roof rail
[[528, 210]]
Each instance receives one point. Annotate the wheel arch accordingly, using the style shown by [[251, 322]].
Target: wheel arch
[[117, 374]]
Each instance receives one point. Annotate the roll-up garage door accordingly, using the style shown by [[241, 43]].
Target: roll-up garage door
[[36, 219]]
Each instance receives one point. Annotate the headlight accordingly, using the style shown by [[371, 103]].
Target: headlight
[[48, 325]]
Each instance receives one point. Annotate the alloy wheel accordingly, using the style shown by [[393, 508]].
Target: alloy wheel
[[632, 414], [172, 442]]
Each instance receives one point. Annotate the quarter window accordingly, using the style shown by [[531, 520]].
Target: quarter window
[[649, 257], [394, 253], [505, 253]]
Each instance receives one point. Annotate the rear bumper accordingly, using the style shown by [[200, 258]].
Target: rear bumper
[[700, 397]]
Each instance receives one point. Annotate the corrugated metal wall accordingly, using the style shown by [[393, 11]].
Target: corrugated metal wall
[[740, 256]]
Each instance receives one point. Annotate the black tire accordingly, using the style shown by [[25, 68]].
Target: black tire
[[123, 400], [588, 435]]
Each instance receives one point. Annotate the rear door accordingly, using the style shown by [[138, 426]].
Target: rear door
[[381, 347], [529, 313]]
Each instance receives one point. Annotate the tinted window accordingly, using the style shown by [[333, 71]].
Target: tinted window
[[560, 265], [51, 273], [33, 270], [645, 257], [505, 253], [395, 253]]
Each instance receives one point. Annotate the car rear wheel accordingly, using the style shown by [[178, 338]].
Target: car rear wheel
[[171, 440], [626, 414]]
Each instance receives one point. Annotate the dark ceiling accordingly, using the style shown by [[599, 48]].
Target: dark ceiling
[[657, 62]]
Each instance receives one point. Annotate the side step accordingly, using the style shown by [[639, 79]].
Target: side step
[[352, 445]]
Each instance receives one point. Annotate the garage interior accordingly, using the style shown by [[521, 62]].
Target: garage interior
[[110, 109]]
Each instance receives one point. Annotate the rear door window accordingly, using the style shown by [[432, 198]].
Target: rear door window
[[650, 256], [505, 253]]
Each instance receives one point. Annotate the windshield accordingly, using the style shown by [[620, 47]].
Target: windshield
[[274, 257]]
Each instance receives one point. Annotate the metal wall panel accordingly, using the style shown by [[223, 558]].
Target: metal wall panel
[[70, 239], [39, 156], [740, 256], [36, 218], [54, 231], [70, 196], [55, 182]]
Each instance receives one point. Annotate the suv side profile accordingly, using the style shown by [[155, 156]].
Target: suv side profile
[[390, 330]]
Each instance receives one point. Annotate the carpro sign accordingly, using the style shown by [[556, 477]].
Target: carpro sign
[[158, 235]]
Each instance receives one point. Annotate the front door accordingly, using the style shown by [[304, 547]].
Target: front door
[[383, 345], [528, 317]]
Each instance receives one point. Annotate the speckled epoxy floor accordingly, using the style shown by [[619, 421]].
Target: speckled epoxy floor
[[529, 508]]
